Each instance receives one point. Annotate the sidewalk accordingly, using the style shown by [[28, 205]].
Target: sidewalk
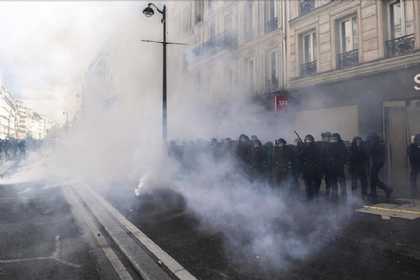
[[399, 208], [39, 238]]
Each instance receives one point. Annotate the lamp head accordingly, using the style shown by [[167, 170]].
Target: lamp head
[[148, 11]]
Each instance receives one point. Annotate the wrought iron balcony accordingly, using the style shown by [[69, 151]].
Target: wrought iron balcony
[[271, 25], [400, 46], [348, 59], [308, 68], [223, 41], [306, 6]]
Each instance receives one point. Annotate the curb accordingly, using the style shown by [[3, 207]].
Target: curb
[[146, 257]]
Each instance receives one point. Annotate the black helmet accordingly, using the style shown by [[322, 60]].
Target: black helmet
[[309, 138], [243, 138], [281, 141], [337, 135]]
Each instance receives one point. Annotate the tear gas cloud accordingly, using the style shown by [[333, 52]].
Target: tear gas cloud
[[116, 139]]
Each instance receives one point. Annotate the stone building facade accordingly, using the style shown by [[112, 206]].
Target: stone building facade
[[356, 62], [347, 66], [236, 42]]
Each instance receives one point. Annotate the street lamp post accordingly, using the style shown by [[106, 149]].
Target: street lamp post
[[148, 11]]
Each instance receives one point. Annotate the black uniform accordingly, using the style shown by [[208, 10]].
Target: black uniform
[[414, 156], [268, 161], [341, 162], [324, 150], [377, 161], [22, 148], [243, 154], [257, 160], [324, 145], [282, 165], [358, 160], [310, 158]]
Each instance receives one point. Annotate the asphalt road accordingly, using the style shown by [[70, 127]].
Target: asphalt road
[[39, 238], [367, 247]]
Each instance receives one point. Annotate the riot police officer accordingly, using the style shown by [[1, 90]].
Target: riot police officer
[[310, 158], [324, 149], [282, 163], [257, 159], [414, 157], [341, 159], [358, 160], [243, 153], [377, 161], [268, 161]]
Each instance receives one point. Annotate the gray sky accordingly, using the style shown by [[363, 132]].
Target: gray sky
[[46, 48]]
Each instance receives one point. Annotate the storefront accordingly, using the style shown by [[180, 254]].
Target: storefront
[[387, 103]]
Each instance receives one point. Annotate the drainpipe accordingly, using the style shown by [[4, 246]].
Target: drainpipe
[[285, 16]]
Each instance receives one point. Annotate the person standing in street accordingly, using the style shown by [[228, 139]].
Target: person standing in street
[[358, 160], [324, 146], [377, 161], [341, 160], [282, 164], [257, 160], [414, 157], [310, 157]]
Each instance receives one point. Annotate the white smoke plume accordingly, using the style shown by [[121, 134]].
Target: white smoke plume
[[116, 139]]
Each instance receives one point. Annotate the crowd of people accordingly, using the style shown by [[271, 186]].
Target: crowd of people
[[327, 162], [11, 149]]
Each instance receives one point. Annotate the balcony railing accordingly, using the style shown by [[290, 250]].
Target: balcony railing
[[400, 46], [308, 68], [348, 59], [306, 6], [223, 41], [271, 25]]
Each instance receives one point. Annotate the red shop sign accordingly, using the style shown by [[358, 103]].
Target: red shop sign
[[280, 103]]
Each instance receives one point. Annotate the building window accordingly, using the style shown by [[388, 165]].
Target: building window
[[348, 53], [308, 53], [272, 71], [306, 6], [396, 16], [186, 21], [271, 16], [401, 39], [198, 11], [249, 26]]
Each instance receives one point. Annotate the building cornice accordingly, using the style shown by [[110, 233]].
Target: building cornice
[[315, 12], [361, 70]]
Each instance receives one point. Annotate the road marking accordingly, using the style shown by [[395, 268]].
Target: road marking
[[54, 256], [81, 213]]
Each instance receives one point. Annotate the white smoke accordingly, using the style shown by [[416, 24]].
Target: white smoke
[[116, 140]]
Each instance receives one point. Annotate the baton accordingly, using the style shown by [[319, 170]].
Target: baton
[[298, 136]]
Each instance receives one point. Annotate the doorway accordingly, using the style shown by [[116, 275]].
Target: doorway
[[401, 123]]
